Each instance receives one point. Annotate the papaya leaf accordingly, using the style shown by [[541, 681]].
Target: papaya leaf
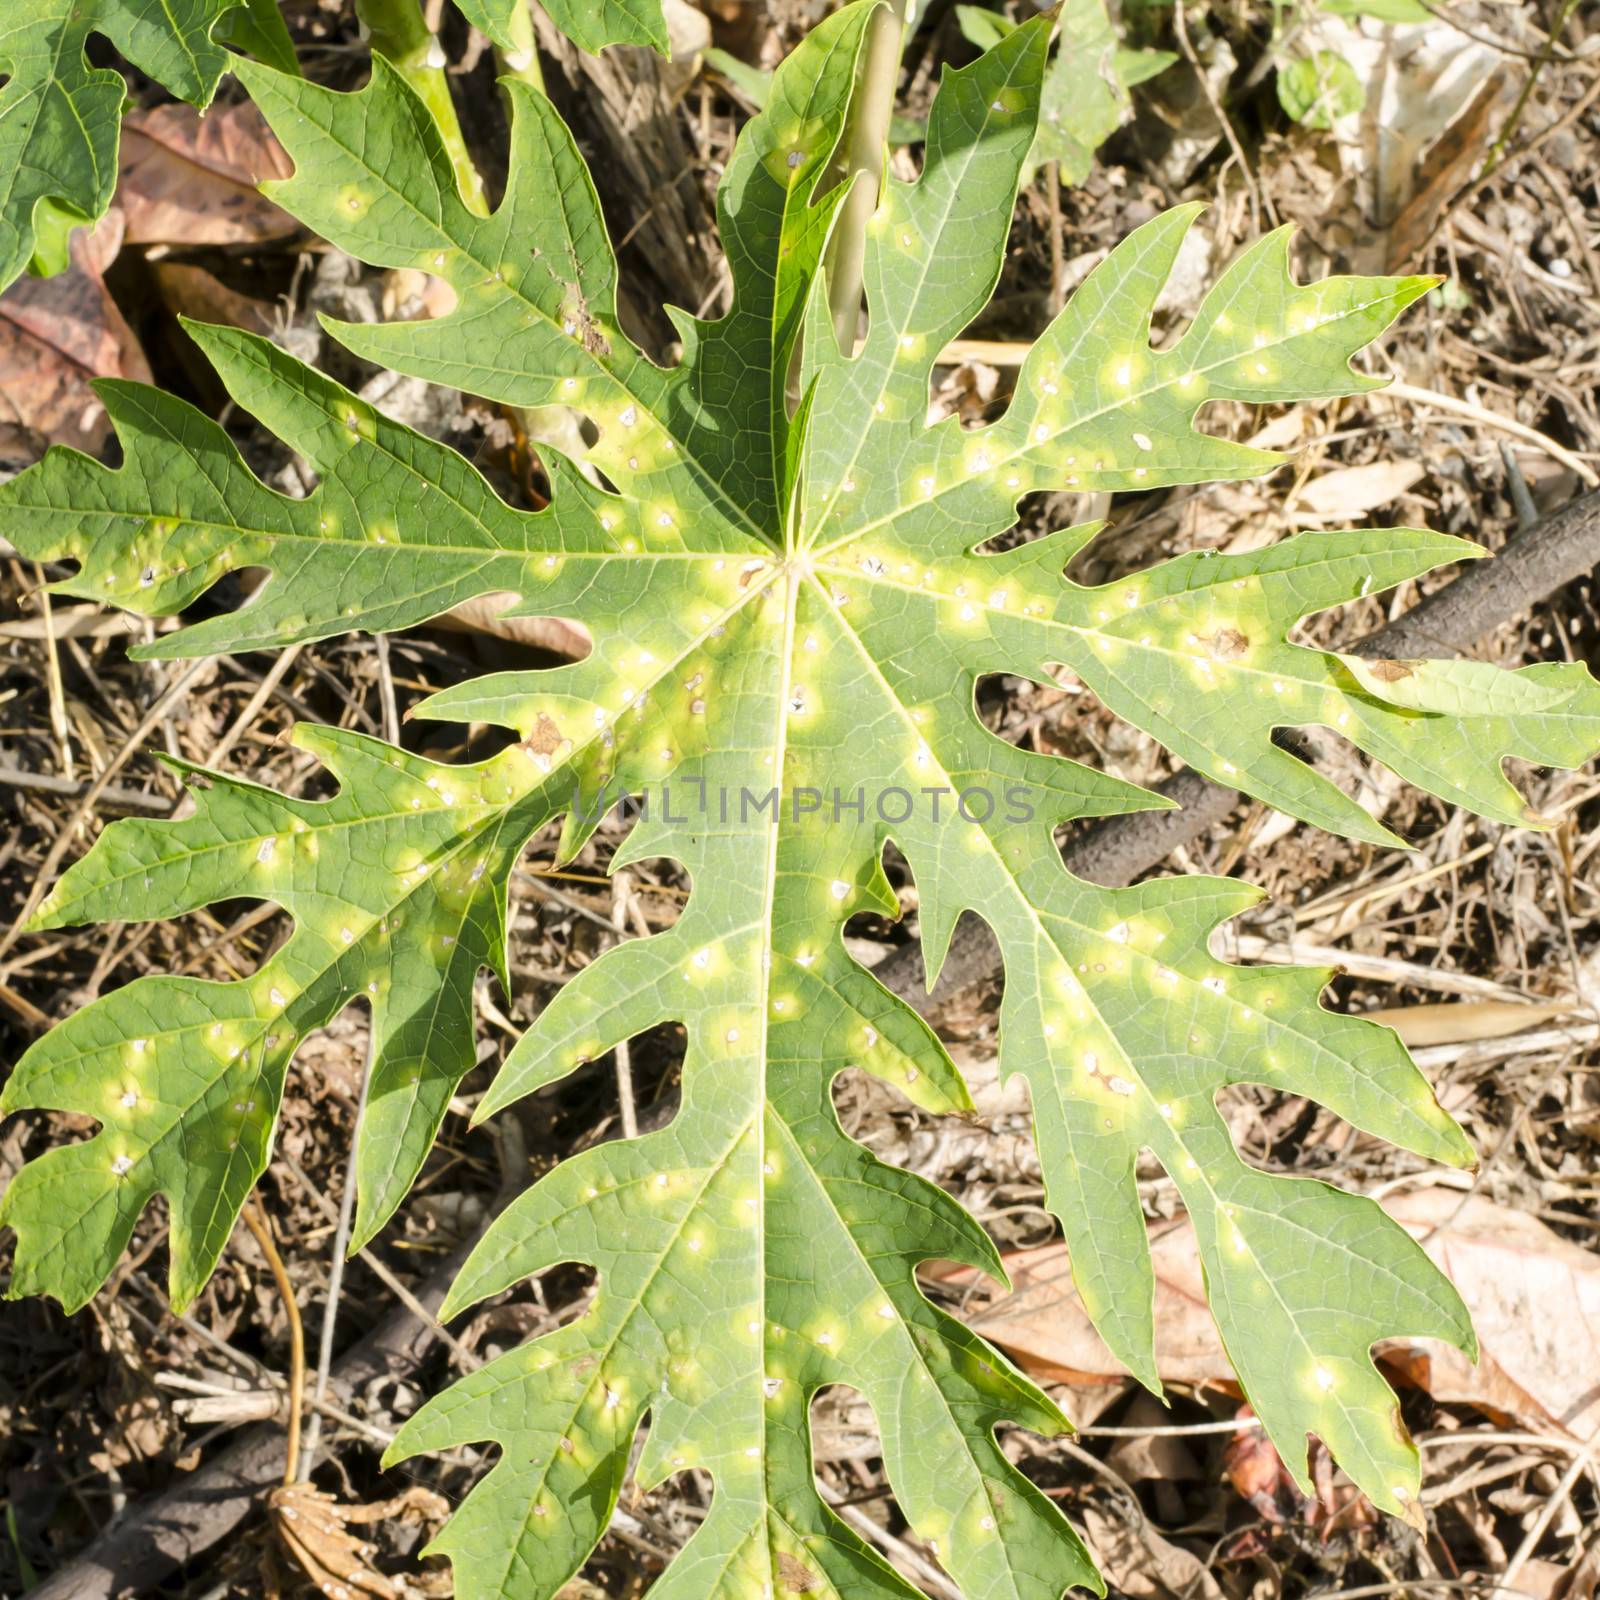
[[60, 117], [397, 888], [791, 607]]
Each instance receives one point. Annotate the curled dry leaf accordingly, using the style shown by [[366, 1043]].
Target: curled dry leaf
[[55, 335], [1260, 1478], [1466, 1021], [486, 614], [316, 1531], [188, 290], [1143, 1565], [190, 180], [1427, 112]]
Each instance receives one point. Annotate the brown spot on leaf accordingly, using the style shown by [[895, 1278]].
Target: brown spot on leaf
[[579, 320], [1393, 671], [795, 1576], [1397, 1421], [546, 737], [1226, 644]]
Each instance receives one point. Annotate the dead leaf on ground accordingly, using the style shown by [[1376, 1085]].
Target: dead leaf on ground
[[188, 290], [188, 180], [1156, 1456], [315, 1531], [1351, 492], [1534, 1299], [1466, 1021], [55, 335], [1446, 167], [1138, 1562], [1043, 1324], [1403, 148]]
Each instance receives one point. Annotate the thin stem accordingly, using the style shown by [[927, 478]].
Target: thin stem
[[255, 1220], [621, 891], [866, 140], [401, 35], [1052, 186], [341, 1243], [1498, 149], [58, 694], [522, 60]]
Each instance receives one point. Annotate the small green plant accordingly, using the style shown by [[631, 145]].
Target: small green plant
[[787, 576], [1319, 88], [1085, 89]]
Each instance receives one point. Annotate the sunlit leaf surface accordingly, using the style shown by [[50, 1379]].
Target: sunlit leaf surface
[[789, 617]]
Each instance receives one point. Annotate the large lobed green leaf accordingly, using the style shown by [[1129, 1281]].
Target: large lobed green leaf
[[60, 117], [804, 604]]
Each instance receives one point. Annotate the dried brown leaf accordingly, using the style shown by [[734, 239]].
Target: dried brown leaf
[[1347, 494], [190, 180], [56, 334]]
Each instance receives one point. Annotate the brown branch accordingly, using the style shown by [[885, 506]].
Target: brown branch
[[255, 1219], [175, 1528], [1558, 548]]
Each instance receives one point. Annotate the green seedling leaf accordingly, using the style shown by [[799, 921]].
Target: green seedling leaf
[[1085, 91], [1319, 89], [1085, 95], [1391, 11], [791, 608], [60, 117], [752, 84], [982, 27]]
